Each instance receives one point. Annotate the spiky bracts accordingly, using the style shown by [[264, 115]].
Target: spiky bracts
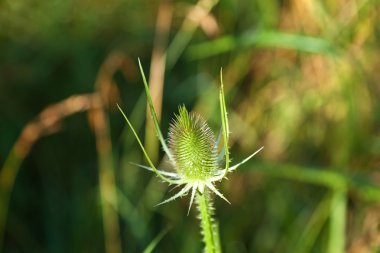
[[193, 146]]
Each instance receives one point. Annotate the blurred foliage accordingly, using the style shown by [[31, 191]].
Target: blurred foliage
[[301, 79]]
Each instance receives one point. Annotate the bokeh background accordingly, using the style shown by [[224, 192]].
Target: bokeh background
[[301, 78]]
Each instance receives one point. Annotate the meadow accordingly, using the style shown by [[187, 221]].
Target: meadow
[[301, 78]]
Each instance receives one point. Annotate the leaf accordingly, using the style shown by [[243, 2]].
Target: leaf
[[257, 38], [154, 115], [152, 245], [143, 150], [225, 127]]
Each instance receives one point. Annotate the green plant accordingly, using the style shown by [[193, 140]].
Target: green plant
[[193, 152]]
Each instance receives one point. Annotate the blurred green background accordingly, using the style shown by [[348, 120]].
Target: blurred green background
[[302, 79]]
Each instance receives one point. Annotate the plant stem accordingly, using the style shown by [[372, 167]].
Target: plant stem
[[210, 234]]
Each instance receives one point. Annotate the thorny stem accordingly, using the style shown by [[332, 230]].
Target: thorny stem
[[209, 230]]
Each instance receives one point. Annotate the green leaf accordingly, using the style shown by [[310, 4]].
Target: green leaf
[[154, 115], [143, 149], [257, 38], [225, 127], [338, 214], [152, 245]]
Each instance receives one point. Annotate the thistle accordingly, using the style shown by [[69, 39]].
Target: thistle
[[193, 153]]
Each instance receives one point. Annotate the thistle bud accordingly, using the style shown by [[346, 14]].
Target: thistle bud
[[192, 142]]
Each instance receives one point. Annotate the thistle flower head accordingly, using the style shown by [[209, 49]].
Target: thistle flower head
[[192, 144], [192, 150]]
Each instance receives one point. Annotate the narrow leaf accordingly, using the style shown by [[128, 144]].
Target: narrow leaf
[[225, 127], [245, 160], [192, 196], [154, 115], [165, 173], [181, 193], [212, 188], [143, 149], [152, 245]]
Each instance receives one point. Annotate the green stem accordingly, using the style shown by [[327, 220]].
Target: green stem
[[209, 230]]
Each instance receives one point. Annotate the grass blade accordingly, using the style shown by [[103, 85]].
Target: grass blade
[[256, 38], [338, 214]]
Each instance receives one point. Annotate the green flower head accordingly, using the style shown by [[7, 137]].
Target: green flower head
[[192, 150], [192, 144]]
